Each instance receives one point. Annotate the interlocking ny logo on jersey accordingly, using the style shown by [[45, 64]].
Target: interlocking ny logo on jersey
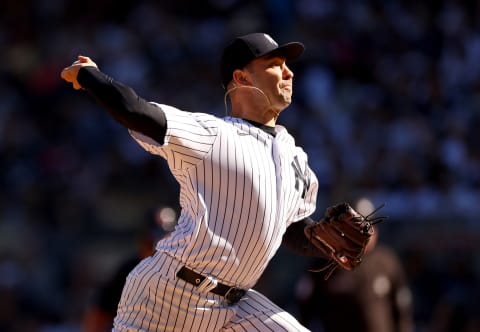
[[299, 176]]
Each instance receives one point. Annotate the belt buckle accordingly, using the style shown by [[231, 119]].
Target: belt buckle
[[207, 284], [234, 295]]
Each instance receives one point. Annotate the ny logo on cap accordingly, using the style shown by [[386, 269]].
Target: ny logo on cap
[[270, 39]]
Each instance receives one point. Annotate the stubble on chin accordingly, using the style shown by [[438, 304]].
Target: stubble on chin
[[286, 94]]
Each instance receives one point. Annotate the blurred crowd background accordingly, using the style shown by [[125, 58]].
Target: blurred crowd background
[[386, 104]]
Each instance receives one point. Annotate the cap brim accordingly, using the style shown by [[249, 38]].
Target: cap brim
[[291, 51]]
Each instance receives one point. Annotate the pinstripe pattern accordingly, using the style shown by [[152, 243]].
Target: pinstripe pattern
[[240, 188], [154, 300], [258, 313]]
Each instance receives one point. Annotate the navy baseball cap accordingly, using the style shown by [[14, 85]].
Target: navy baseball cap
[[246, 48]]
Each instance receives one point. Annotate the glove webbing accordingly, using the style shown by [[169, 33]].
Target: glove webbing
[[332, 264]]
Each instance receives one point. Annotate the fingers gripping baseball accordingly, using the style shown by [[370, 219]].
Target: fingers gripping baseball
[[70, 73], [342, 236]]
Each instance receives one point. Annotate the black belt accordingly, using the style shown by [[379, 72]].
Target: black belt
[[231, 294]]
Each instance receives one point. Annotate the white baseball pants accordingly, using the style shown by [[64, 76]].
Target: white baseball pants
[[154, 299]]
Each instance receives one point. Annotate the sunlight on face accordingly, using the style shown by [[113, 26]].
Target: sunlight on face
[[274, 78]]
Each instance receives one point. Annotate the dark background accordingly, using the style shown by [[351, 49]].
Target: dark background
[[386, 104]]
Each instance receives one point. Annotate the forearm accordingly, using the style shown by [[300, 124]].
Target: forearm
[[296, 240], [123, 104]]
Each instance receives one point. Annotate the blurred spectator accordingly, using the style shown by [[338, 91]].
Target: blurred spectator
[[372, 298], [458, 307], [100, 314]]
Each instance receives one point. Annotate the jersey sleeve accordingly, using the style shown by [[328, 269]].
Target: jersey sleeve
[[188, 139]]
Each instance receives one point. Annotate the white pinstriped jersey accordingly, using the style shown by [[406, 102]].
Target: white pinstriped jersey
[[240, 188]]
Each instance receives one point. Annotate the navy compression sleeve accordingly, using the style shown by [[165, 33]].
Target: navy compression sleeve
[[123, 104], [296, 240]]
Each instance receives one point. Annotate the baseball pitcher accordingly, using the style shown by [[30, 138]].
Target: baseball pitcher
[[245, 188]]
